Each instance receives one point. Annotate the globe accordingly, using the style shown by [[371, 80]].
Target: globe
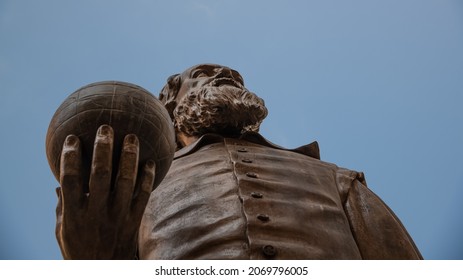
[[127, 108]]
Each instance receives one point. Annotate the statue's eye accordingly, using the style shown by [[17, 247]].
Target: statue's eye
[[199, 73]]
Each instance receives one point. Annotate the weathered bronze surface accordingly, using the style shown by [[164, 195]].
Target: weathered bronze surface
[[229, 194]]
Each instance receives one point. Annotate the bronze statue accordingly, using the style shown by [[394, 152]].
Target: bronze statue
[[229, 193]]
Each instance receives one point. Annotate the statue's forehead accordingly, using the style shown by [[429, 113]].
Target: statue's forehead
[[212, 70], [204, 66]]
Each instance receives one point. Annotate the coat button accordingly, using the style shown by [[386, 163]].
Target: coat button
[[263, 217], [269, 251], [246, 160], [251, 174], [257, 195]]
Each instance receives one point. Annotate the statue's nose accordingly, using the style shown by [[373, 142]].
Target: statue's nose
[[224, 73]]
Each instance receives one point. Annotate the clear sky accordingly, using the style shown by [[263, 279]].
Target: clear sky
[[377, 83]]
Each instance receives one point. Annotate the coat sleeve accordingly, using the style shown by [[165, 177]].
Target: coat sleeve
[[376, 229]]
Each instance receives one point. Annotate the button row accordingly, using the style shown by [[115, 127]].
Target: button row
[[268, 250]]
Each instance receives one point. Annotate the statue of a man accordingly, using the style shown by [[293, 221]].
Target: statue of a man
[[229, 194]]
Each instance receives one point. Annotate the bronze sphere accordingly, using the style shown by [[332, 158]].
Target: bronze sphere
[[127, 108]]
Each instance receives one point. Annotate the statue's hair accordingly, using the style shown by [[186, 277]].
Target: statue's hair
[[169, 93]]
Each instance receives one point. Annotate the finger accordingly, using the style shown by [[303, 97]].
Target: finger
[[72, 193], [100, 174], [144, 192], [127, 174]]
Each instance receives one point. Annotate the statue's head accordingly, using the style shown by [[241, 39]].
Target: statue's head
[[211, 98]]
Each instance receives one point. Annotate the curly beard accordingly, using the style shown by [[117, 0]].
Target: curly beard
[[226, 110]]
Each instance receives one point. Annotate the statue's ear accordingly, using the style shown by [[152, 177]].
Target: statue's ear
[[169, 93]]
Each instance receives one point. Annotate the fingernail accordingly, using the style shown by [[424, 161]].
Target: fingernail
[[131, 139], [71, 141], [104, 130]]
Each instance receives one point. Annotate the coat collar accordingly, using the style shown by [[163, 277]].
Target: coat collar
[[311, 150]]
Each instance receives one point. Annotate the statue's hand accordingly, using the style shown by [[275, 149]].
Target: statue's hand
[[103, 223]]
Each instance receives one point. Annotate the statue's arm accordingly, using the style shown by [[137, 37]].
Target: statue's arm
[[377, 230], [103, 223]]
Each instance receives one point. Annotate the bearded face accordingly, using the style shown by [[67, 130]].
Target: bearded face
[[212, 98], [226, 109]]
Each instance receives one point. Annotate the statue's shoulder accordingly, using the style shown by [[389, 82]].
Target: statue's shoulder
[[312, 150]]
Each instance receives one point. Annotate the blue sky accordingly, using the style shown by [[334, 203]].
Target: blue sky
[[377, 83]]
